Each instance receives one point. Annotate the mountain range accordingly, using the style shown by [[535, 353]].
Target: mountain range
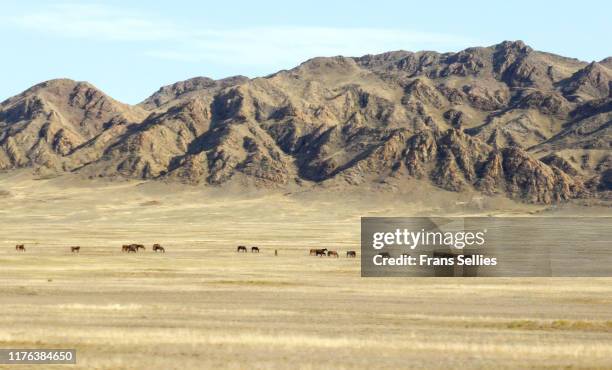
[[501, 120]]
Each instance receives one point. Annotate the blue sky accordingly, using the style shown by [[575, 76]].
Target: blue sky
[[131, 48]]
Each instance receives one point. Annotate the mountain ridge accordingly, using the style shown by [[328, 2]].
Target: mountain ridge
[[504, 119]]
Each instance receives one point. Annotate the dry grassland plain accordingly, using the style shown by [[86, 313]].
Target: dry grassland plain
[[202, 305]]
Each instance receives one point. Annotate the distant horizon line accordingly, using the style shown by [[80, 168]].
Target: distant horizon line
[[88, 81]]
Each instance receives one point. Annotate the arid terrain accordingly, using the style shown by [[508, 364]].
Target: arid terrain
[[202, 305], [289, 162]]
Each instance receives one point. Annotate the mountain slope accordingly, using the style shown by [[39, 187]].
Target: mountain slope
[[52, 123], [503, 119]]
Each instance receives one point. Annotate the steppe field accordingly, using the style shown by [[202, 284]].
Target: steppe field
[[202, 305]]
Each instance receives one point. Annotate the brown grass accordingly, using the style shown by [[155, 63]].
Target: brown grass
[[202, 305]]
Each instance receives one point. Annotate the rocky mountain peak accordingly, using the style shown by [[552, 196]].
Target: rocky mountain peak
[[517, 47], [478, 120], [191, 87], [591, 82]]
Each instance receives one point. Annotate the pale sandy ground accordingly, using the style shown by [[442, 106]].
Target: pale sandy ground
[[201, 305]]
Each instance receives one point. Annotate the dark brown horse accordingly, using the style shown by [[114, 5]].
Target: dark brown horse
[[332, 254], [139, 246], [241, 248], [254, 250], [351, 254], [76, 249], [20, 248], [158, 248], [320, 252], [132, 248]]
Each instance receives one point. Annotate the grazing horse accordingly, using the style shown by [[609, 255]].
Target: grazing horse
[[320, 252], [76, 249], [157, 247], [20, 248], [254, 250], [241, 248], [332, 254], [351, 254]]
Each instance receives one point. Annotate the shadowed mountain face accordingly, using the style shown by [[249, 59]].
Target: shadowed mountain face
[[503, 119]]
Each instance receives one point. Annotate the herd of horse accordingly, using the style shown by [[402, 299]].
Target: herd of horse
[[243, 248], [127, 248], [313, 252], [133, 248], [325, 252]]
